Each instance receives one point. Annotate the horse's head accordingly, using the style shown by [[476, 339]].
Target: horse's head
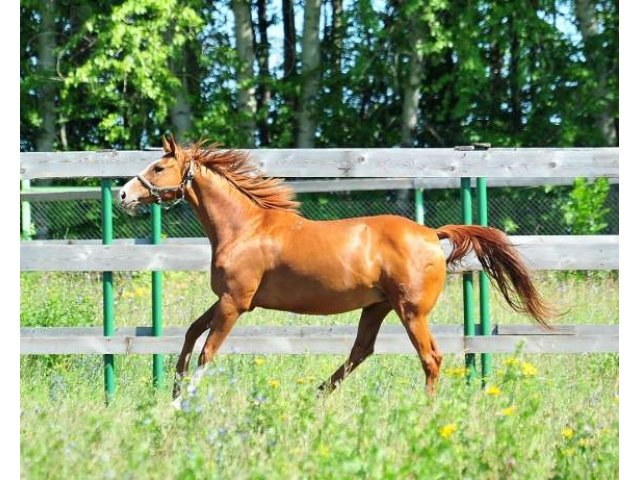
[[165, 180]]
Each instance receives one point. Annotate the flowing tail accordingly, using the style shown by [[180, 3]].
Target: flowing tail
[[503, 263]]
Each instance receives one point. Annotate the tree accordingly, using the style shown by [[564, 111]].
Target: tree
[[244, 76], [310, 75], [264, 76], [600, 65]]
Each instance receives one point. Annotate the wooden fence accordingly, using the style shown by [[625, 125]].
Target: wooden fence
[[388, 168]]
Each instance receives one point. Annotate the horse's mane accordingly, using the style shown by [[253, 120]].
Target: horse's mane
[[234, 165]]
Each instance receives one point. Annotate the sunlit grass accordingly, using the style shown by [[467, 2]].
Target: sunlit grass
[[540, 416]]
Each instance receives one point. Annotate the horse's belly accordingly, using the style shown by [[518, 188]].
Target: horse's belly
[[301, 295]]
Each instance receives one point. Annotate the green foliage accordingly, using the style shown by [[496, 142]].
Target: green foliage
[[584, 211], [493, 72], [57, 307]]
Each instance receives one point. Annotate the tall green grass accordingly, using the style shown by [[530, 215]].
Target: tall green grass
[[541, 416]]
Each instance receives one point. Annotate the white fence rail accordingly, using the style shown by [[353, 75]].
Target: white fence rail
[[358, 162], [553, 252], [44, 194], [322, 340]]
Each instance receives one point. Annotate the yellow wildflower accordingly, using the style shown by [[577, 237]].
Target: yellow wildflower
[[259, 361], [139, 292], [585, 442], [493, 390], [528, 370], [323, 450], [508, 411], [568, 452], [300, 380], [273, 383], [567, 432], [456, 371], [448, 430], [511, 361]]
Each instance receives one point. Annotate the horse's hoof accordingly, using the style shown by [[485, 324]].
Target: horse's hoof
[[324, 390]]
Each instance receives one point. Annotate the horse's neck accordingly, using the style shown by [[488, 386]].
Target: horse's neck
[[223, 211]]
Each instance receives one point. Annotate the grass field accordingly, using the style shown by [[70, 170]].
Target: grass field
[[543, 416]]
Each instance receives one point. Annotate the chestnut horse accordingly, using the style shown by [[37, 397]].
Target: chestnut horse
[[264, 254]]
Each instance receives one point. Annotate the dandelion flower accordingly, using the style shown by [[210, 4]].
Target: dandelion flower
[[511, 361], [568, 452], [447, 430], [493, 391], [273, 383], [528, 370], [259, 361], [300, 380], [507, 412], [567, 432]]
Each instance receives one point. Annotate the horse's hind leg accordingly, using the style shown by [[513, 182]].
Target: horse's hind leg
[[194, 331], [368, 328], [416, 324]]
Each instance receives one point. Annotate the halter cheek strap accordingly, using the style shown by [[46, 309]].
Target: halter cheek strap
[[156, 192]]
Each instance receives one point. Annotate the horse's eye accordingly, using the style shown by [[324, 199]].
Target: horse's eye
[[158, 169]]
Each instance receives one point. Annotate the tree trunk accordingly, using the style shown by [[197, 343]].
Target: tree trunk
[[587, 23], [289, 39], [264, 89], [411, 96], [337, 33], [310, 74], [46, 72], [244, 77], [181, 113]]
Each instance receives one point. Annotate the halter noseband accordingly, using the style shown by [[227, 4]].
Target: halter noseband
[[156, 192]]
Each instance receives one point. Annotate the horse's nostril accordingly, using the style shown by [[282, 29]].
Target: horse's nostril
[[122, 195]]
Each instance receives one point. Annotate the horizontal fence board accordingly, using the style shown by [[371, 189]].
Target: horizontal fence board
[[119, 241], [543, 344], [359, 162], [557, 330], [44, 194], [553, 252], [336, 339]]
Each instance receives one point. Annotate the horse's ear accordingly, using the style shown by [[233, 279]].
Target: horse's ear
[[165, 145], [172, 144]]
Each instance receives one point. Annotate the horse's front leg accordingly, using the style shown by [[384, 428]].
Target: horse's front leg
[[225, 315], [194, 331]]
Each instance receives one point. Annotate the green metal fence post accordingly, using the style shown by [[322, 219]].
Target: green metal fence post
[[419, 200], [156, 298], [107, 289], [467, 279], [25, 212], [485, 320]]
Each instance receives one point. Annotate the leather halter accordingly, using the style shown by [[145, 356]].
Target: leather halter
[[156, 192]]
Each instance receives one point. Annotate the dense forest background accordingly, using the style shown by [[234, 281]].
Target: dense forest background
[[318, 73]]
